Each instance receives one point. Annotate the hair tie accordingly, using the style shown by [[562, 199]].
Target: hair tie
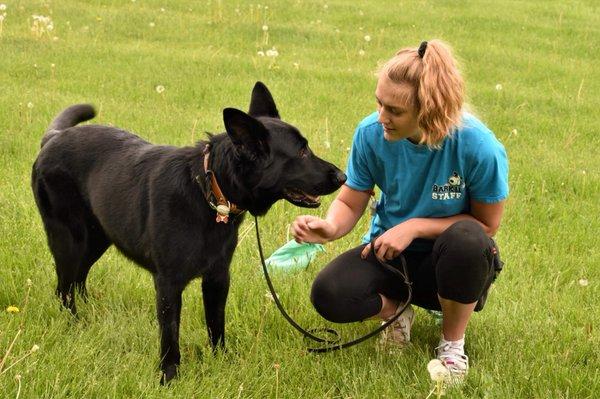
[[422, 49]]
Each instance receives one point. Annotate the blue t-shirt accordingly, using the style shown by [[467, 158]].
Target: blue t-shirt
[[416, 181]]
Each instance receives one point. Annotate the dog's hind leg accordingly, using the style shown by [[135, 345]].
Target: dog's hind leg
[[64, 248], [74, 243], [214, 293], [168, 308], [96, 244]]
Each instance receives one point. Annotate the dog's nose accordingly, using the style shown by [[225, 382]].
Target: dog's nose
[[340, 177]]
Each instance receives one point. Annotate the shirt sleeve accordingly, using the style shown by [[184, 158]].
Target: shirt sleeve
[[357, 172], [489, 172]]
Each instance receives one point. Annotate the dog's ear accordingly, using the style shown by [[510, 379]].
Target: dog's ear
[[248, 134], [262, 103]]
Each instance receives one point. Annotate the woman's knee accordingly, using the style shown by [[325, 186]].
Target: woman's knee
[[346, 289], [465, 239], [322, 296], [462, 261]]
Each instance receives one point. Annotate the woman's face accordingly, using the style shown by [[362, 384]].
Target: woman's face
[[397, 112]]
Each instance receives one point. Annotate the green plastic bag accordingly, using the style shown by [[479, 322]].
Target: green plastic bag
[[293, 256]]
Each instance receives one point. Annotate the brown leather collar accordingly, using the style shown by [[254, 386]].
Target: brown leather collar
[[222, 205]]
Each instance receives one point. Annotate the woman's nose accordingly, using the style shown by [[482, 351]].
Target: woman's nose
[[382, 118]]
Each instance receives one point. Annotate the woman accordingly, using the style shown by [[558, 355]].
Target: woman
[[443, 178]]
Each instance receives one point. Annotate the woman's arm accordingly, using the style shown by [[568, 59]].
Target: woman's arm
[[487, 215], [343, 214], [391, 243]]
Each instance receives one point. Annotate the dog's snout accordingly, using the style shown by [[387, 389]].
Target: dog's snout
[[340, 177]]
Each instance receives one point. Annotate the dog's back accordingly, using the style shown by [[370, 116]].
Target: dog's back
[[77, 148]]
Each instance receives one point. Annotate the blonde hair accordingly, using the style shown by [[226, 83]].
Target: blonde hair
[[438, 87]]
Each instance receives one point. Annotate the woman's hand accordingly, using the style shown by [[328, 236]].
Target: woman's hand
[[312, 229], [390, 244]]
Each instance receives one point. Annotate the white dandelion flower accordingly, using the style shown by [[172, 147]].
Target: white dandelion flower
[[261, 53], [272, 53], [583, 282], [269, 296], [30, 105], [437, 371], [498, 87], [160, 89], [265, 28], [2, 7], [367, 38]]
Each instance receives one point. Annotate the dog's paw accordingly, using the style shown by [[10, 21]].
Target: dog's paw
[[168, 373]]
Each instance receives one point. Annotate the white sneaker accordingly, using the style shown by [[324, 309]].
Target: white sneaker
[[398, 333], [452, 355]]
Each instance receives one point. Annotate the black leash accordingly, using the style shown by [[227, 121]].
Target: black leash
[[334, 344]]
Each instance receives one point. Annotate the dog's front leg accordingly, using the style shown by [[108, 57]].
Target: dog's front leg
[[168, 306], [214, 290]]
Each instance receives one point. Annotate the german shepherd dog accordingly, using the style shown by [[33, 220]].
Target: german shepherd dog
[[174, 211]]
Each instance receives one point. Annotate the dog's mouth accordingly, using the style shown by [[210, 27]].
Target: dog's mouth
[[300, 198]]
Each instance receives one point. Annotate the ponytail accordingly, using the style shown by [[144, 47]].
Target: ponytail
[[440, 93], [438, 88]]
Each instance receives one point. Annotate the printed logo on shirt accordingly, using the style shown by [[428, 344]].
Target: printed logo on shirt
[[452, 189]]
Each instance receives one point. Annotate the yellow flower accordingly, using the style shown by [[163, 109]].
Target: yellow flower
[[12, 309]]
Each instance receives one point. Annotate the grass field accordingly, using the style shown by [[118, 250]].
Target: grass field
[[532, 75]]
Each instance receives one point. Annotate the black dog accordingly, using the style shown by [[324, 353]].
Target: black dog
[[162, 206]]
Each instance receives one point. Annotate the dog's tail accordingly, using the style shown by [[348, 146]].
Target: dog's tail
[[68, 118]]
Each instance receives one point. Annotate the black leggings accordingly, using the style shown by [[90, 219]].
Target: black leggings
[[460, 267]]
